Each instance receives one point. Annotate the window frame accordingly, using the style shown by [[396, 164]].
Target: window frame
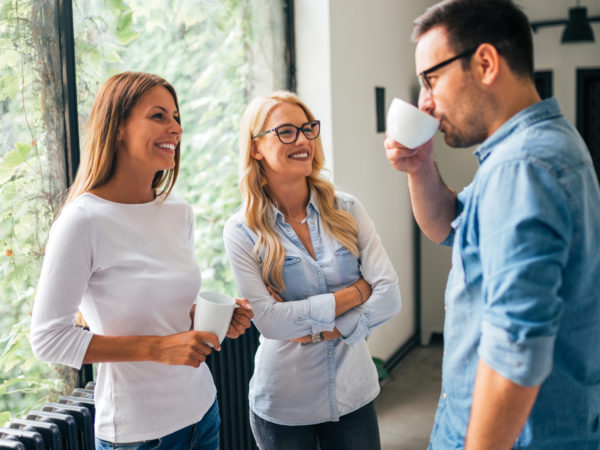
[[72, 144]]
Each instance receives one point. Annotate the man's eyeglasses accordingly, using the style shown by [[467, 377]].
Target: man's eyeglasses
[[423, 76], [288, 133]]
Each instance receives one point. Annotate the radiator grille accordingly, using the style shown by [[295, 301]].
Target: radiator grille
[[69, 423], [232, 369]]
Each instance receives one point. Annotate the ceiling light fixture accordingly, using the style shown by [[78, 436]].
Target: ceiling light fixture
[[578, 28]]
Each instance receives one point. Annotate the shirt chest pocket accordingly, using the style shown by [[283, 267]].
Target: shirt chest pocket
[[295, 276], [346, 267]]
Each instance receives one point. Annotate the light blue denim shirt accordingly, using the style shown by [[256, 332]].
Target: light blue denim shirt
[[300, 384], [523, 293]]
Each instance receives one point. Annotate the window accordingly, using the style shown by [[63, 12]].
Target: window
[[32, 181], [217, 55]]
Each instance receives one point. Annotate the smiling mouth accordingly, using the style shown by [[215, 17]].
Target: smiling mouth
[[301, 155], [170, 148]]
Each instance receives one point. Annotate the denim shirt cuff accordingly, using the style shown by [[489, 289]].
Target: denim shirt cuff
[[354, 332], [321, 316], [527, 362]]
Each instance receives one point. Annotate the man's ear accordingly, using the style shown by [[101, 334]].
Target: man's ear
[[487, 62], [255, 152]]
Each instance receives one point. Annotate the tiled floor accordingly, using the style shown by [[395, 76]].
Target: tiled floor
[[406, 405]]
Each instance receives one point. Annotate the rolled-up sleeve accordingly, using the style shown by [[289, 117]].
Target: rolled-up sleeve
[[65, 273], [377, 270], [354, 325], [527, 362], [274, 320], [524, 249]]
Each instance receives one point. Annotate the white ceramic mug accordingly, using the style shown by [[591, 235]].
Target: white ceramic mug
[[408, 125], [213, 313]]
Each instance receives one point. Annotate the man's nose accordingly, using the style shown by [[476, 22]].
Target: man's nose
[[426, 102]]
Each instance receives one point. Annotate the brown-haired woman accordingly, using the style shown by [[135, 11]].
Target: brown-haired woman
[[319, 280], [122, 252]]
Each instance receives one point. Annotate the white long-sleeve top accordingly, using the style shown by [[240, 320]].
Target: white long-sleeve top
[[130, 269]]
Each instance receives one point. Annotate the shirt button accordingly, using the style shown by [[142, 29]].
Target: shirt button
[[319, 272], [444, 395], [329, 352], [445, 307], [299, 319], [332, 381], [366, 314]]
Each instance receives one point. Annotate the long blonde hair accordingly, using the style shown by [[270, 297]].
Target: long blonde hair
[[111, 108], [269, 250]]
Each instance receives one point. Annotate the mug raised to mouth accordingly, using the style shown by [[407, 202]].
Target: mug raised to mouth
[[408, 125]]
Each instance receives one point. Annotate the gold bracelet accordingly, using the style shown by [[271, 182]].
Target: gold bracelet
[[362, 300]]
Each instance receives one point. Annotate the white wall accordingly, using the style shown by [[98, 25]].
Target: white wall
[[344, 49], [458, 165], [347, 47], [562, 59]]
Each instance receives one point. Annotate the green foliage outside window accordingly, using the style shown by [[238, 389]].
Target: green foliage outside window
[[207, 49], [32, 178]]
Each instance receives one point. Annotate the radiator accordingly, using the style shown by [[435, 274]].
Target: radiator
[[232, 369], [69, 423], [10, 444]]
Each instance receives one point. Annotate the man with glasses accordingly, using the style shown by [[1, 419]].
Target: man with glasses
[[521, 366]]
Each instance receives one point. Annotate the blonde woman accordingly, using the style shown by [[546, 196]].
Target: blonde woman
[[313, 267], [122, 252]]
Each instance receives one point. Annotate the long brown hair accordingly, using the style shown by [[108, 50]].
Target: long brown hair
[[111, 108], [257, 200]]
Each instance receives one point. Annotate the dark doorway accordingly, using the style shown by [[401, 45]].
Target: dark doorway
[[588, 111], [543, 83]]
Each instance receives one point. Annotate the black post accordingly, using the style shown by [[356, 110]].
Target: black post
[[290, 33], [69, 90], [67, 51]]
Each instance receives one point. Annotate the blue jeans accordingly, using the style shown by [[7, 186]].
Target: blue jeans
[[355, 431], [203, 435]]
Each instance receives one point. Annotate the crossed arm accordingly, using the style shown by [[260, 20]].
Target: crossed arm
[[343, 309]]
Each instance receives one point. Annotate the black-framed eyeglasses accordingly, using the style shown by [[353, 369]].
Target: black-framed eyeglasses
[[288, 133], [424, 81]]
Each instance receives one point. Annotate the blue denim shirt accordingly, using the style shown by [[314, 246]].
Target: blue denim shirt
[[300, 384], [523, 293]]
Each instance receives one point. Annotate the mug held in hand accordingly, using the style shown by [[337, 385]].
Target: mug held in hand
[[408, 125], [213, 313]]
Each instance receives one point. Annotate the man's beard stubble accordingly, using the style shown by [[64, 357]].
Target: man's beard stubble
[[476, 104]]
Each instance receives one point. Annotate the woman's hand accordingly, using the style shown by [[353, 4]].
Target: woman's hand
[[327, 336], [240, 321], [189, 348], [274, 294]]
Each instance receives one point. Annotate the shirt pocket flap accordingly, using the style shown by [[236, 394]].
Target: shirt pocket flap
[[341, 251], [291, 260]]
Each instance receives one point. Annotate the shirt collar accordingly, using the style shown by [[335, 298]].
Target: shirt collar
[[311, 208], [543, 110]]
